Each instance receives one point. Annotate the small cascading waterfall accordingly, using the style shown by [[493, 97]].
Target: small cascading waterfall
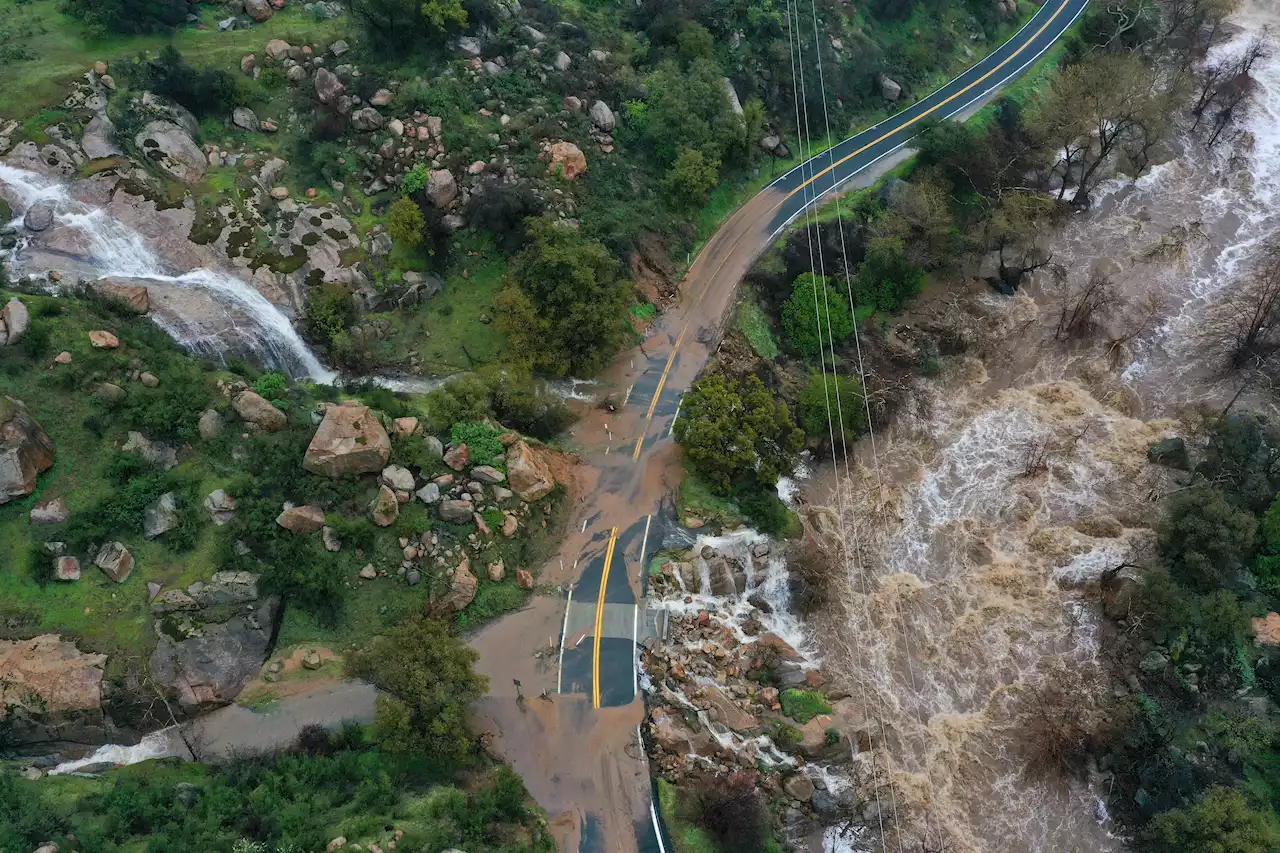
[[164, 743], [119, 251]]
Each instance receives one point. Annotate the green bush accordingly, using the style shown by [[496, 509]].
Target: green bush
[[205, 93], [172, 409], [1206, 540], [836, 404], [803, 705], [271, 386], [755, 328], [1221, 822], [480, 439], [816, 317]]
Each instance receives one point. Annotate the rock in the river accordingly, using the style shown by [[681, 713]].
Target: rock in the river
[[25, 450], [602, 117], [528, 473], [385, 508], [161, 516], [455, 511], [50, 512], [1172, 453], [115, 560], [304, 520], [458, 457], [259, 10], [212, 665], [173, 151], [349, 441], [257, 410], [14, 320], [40, 215]]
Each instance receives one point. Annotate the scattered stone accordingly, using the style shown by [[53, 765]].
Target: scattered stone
[[277, 49], [890, 89], [330, 539], [348, 442], [257, 410], [602, 116], [524, 579], [161, 517], [529, 475], [455, 511], [303, 520], [280, 193], [405, 426], [442, 188], [50, 512], [561, 62], [429, 494], [385, 509], [497, 571], [115, 561], [368, 572], [380, 98], [221, 507], [469, 45], [101, 339], [108, 392], [66, 569], [487, 475], [328, 86], [150, 380], [211, 423], [567, 159], [153, 452], [413, 577], [435, 448], [259, 10], [311, 659], [63, 357], [245, 119], [339, 47], [1153, 663], [510, 526], [462, 589], [1266, 629], [458, 457], [398, 478]]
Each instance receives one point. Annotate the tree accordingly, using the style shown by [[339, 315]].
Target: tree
[[1204, 539], [1245, 328], [1221, 822], [689, 181], [427, 675], [1242, 458], [130, 16], [821, 400], [919, 217], [563, 307], [731, 811], [400, 25], [735, 431], [690, 109], [405, 223], [816, 316], [1012, 229], [887, 277]]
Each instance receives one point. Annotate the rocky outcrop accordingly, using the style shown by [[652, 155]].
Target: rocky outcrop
[[214, 641], [25, 450], [173, 151], [99, 138], [528, 473], [462, 590], [51, 691], [349, 441], [442, 188], [134, 297]]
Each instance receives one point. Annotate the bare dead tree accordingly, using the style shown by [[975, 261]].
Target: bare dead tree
[[1056, 722], [1079, 305], [1225, 88], [1151, 307], [1036, 453], [1245, 327]]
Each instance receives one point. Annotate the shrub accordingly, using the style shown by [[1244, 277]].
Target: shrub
[[271, 386], [129, 16], [415, 180], [1204, 539], [172, 409], [210, 92], [329, 311], [816, 317], [731, 811], [481, 440], [1222, 821], [405, 223], [837, 402], [803, 705]]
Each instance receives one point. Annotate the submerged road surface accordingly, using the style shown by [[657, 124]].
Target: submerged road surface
[[579, 751]]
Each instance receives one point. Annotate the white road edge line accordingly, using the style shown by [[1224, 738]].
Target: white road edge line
[[564, 637], [679, 403], [635, 653], [627, 396], [819, 197], [657, 830]]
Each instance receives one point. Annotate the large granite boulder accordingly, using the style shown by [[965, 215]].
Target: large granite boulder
[[349, 441], [51, 691], [462, 590], [135, 297], [99, 138], [207, 657], [442, 188], [255, 409], [303, 520], [173, 151], [25, 450], [14, 320], [528, 473]]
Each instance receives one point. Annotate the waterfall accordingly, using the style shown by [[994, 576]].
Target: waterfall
[[162, 744], [117, 250]]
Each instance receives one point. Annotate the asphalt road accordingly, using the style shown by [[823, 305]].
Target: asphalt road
[[603, 621]]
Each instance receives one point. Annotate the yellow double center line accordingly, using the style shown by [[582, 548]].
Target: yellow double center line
[[672, 357], [604, 582]]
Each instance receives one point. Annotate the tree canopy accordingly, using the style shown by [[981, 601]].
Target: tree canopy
[[1221, 822], [736, 430], [816, 316]]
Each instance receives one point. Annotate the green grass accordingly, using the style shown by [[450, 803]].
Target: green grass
[[803, 705], [62, 50], [492, 600], [754, 325], [686, 837], [696, 498]]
